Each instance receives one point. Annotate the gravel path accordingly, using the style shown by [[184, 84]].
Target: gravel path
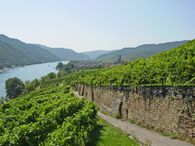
[[143, 135]]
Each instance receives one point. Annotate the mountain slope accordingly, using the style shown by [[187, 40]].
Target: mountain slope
[[95, 54], [138, 52], [66, 54], [172, 67], [16, 52]]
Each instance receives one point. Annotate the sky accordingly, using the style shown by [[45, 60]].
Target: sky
[[87, 25]]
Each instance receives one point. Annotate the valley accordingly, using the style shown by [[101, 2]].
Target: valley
[[97, 73], [155, 92]]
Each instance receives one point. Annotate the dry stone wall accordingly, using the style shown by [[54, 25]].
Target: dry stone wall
[[162, 108]]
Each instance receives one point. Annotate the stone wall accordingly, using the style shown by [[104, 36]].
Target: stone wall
[[162, 108], [106, 99]]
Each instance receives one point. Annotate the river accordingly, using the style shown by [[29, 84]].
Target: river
[[27, 73]]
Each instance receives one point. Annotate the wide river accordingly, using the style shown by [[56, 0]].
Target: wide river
[[27, 73]]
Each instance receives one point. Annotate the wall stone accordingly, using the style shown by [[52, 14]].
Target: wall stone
[[162, 108]]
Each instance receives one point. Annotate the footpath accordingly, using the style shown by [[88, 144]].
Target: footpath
[[144, 135]]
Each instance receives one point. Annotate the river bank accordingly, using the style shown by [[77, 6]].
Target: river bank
[[5, 69], [14, 66], [27, 73]]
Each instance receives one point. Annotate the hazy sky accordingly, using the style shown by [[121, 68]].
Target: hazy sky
[[97, 24]]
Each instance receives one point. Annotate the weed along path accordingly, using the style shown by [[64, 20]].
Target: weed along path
[[145, 136]]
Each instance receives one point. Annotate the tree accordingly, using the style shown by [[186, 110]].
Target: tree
[[59, 66], [51, 75], [67, 68], [30, 86], [61, 73], [14, 87]]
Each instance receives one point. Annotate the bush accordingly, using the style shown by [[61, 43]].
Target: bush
[[14, 87]]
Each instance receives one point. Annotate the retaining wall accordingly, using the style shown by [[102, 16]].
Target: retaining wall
[[162, 108]]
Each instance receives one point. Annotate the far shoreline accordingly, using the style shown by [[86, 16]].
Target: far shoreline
[[27, 73], [7, 69]]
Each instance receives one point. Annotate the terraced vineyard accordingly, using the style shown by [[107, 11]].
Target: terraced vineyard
[[174, 67], [48, 116]]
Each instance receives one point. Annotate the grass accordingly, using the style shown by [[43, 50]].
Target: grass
[[108, 135], [173, 135]]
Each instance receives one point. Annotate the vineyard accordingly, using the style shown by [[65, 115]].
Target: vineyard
[[47, 116], [174, 67]]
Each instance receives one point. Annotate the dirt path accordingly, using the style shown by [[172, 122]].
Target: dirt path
[[143, 135]]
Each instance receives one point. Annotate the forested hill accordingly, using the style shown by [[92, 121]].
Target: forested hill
[[16, 52], [138, 52], [66, 54], [171, 67]]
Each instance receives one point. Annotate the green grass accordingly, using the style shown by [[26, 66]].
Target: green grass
[[108, 135]]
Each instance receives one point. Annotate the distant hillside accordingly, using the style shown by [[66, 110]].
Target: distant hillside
[[16, 52], [66, 54], [138, 52], [95, 54]]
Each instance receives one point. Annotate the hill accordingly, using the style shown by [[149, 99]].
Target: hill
[[138, 52], [16, 52], [50, 114], [46, 117], [172, 67], [66, 54], [95, 54]]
